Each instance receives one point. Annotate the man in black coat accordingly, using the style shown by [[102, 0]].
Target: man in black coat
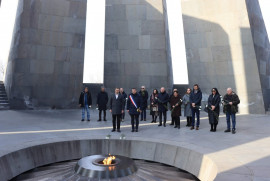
[[122, 92], [116, 108], [133, 108], [85, 101], [173, 122], [195, 99], [162, 100], [230, 108], [144, 96], [102, 100]]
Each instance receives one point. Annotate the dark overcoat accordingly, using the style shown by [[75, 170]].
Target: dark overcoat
[[213, 115], [231, 98], [102, 100], [196, 97], [130, 106], [177, 110], [162, 100], [144, 97], [117, 105]]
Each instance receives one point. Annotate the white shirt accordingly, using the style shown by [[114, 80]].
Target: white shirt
[[116, 96]]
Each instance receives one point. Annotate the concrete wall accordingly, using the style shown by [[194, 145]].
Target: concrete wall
[[46, 60], [45, 66], [261, 46], [220, 50], [135, 49], [46, 57]]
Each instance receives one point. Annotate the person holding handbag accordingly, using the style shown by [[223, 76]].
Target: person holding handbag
[[154, 106]]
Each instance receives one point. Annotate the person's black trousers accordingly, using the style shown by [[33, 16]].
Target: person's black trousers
[[173, 121], [154, 118], [189, 120], [176, 120], [100, 112], [134, 121], [143, 114], [123, 115], [116, 118], [164, 113]]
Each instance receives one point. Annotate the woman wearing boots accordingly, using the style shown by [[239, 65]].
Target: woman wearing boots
[[213, 109], [154, 106], [176, 103], [187, 107]]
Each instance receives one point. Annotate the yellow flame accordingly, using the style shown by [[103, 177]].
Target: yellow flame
[[108, 160]]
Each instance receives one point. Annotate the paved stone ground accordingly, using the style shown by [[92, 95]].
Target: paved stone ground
[[243, 156]]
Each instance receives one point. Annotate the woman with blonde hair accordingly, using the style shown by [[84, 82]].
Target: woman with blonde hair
[[187, 107]]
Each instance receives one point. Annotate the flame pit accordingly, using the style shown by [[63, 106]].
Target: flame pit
[[95, 168]]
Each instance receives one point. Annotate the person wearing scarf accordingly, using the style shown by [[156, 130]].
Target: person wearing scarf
[[133, 108], [154, 106], [214, 109]]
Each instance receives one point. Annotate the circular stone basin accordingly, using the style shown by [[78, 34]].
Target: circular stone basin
[[93, 167]]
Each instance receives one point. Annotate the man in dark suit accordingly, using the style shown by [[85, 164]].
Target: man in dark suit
[[162, 100], [195, 99], [102, 100], [116, 108], [134, 108]]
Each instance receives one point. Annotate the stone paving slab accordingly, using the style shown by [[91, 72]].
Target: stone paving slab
[[245, 155]]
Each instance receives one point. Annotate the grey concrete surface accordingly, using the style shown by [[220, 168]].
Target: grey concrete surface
[[243, 156], [135, 51], [46, 60], [261, 46], [220, 50]]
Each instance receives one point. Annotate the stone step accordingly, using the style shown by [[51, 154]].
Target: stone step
[[4, 100], [4, 103], [4, 107]]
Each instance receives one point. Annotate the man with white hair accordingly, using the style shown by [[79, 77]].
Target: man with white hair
[[230, 108]]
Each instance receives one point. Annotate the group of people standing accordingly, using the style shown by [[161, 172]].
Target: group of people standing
[[136, 104]]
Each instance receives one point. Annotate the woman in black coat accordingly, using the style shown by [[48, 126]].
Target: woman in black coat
[[176, 102], [213, 109]]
